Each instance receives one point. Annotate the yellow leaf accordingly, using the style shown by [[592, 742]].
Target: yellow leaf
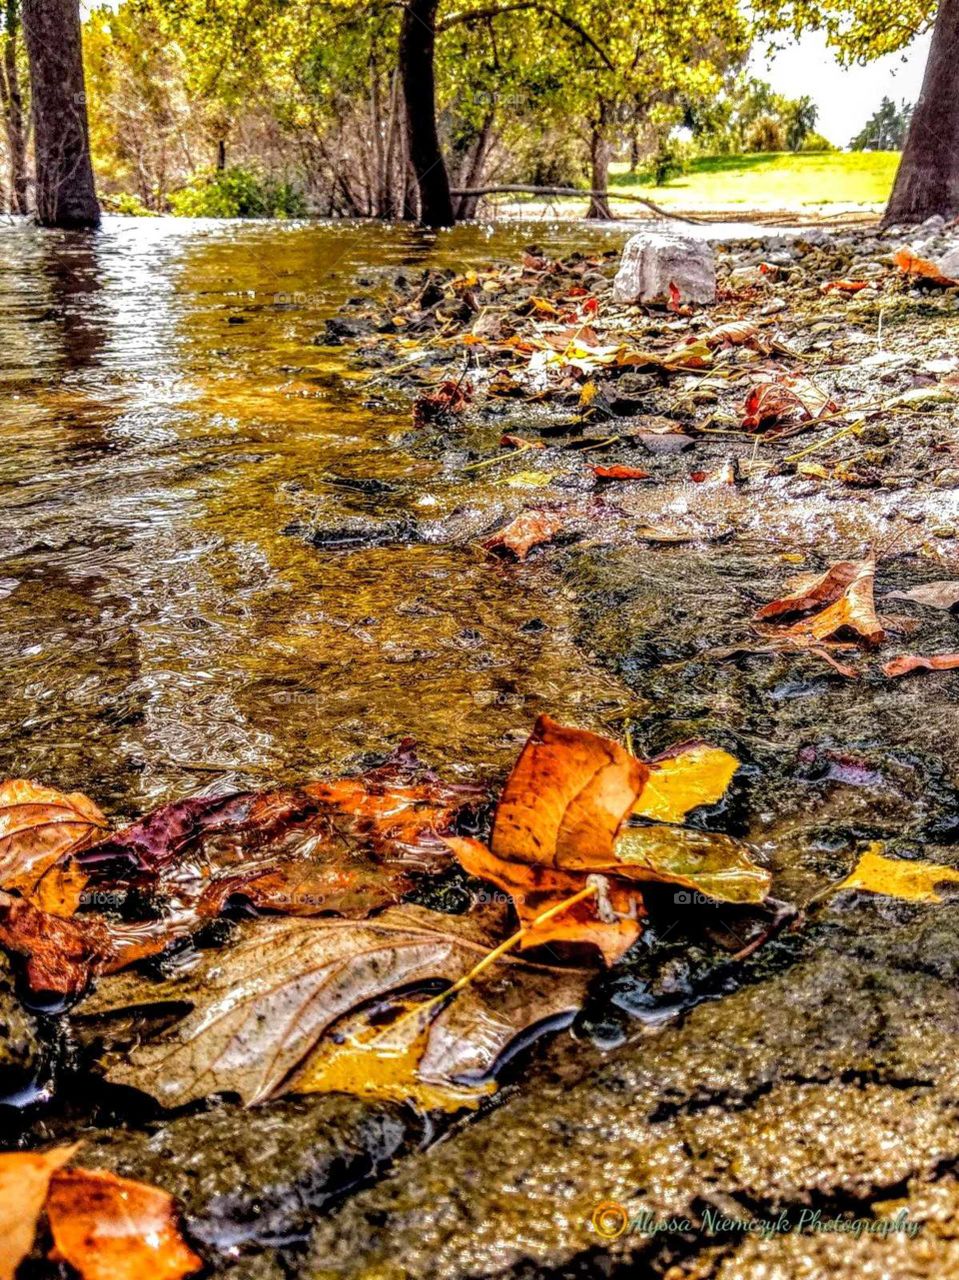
[[708, 862], [587, 394], [529, 479], [911, 881], [374, 1062], [692, 774]]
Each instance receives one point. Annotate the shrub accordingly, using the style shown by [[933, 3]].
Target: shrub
[[126, 203], [766, 133], [236, 192]]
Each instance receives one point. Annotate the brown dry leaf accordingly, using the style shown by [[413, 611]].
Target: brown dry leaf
[[24, 1179], [810, 590], [38, 825], [937, 595], [448, 398], [844, 286], [520, 442], [109, 1228], [566, 799], [908, 662], [690, 774], [854, 611], [846, 591], [735, 333], [784, 401], [912, 265], [259, 1008], [528, 530], [911, 881]]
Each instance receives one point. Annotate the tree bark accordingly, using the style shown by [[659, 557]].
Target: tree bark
[[417, 71], [65, 192], [928, 178], [12, 95], [599, 153]]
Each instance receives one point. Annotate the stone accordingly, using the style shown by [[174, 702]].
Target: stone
[[654, 260], [949, 262], [19, 1046]]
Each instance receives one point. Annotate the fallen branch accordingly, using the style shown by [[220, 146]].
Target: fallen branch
[[519, 189]]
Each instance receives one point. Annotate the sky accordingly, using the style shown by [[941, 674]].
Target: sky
[[846, 96]]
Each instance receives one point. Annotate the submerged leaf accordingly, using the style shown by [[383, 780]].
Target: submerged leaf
[[525, 532], [39, 825], [937, 595], [24, 1180], [911, 881], [712, 864], [690, 774], [259, 1008], [109, 1228]]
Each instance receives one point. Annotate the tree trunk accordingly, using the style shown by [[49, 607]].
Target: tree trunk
[[417, 44], [599, 151], [474, 165], [928, 177], [65, 192], [14, 123], [221, 155]]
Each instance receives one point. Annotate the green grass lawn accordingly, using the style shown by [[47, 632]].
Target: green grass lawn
[[774, 180]]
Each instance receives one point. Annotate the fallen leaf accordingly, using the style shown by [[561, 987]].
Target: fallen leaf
[[844, 286], [528, 530], [736, 333], [854, 611], [566, 799], [783, 401], [690, 774], [260, 1007], [617, 472], [348, 846], [705, 861], [109, 1228], [846, 591], [937, 595], [911, 264], [62, 955], [911, 881], [39, 825], [811, 589], [24, 1180], [520, 442], [533, 889], [908, 662], [448, 398]]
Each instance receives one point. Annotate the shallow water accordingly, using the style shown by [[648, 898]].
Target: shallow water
[[167, 419]]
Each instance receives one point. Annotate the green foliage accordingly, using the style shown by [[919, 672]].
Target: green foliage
[[128, 204], [885, 130], [236, 192], [858, 30], [814, 141]]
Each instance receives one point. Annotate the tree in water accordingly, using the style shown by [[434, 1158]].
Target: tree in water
[[65, 192], [418, 76], [11, 101]]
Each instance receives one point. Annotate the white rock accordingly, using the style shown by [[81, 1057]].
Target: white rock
[[948, 264], [654, 260]]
